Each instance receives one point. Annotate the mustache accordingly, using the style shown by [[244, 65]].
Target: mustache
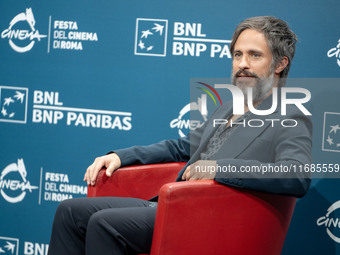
[[245, 73]]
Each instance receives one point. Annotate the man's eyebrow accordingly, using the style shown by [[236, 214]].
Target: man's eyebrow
[[255, 51], [249, 51]]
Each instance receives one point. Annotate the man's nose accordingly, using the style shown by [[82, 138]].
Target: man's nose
[[243, 63]]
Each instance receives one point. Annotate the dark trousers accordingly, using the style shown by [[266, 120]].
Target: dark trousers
[[103, 225]]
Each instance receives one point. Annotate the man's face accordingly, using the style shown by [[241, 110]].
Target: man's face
[[252, 61]]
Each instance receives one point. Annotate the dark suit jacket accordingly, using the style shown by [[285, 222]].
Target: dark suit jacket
[[271, 145]]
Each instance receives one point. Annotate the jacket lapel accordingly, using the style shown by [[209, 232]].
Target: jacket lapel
[[225, 111], [240, 139]]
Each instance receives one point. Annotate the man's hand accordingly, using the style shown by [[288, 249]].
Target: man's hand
[[200, 170], [111, 162]]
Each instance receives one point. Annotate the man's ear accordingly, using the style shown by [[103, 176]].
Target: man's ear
[[281, 65]]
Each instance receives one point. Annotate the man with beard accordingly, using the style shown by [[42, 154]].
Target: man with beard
[[262, 50]]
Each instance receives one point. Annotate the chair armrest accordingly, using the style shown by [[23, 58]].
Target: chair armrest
[[142, 181], [213, 215]]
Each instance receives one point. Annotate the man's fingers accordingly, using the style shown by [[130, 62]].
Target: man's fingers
[[187, 177], [187, 174], [87, 175], [95, 170], [110, 170], [193, 178], [91, 174], [92, 171], [186, 171], [111, 162]]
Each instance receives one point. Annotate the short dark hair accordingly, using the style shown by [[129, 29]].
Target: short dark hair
[[280, 38]]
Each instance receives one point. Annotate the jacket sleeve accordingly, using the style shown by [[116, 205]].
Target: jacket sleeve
[[162, 152], [293, 148], [179, 150]]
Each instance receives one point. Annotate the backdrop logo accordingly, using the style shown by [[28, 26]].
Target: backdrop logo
[[331, 223], [67, 36], [13, 103], [58, 187], [19, 37], [48, 109], [335, 52], [9, 245], [331, 132], [151, 37], [194, 114], [14, 190], [188, 39]]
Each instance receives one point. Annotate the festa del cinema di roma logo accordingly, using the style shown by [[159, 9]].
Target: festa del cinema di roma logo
[[21, 33], [14, 190], [331, 223]]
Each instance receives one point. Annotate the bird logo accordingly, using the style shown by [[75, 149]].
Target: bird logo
[[151, 37], [158, 29], [333, 130], [13, 102], [8, 245]]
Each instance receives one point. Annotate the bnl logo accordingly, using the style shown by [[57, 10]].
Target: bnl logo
[[9, 245], [331, 132], [151, 37], [13, 104]]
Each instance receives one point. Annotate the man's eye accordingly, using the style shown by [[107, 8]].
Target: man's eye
[[256, 55], [236, 55]]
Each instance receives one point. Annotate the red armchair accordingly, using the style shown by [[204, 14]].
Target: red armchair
[[202, 217]]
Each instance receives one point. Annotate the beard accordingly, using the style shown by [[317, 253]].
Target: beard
[[260, 89]]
